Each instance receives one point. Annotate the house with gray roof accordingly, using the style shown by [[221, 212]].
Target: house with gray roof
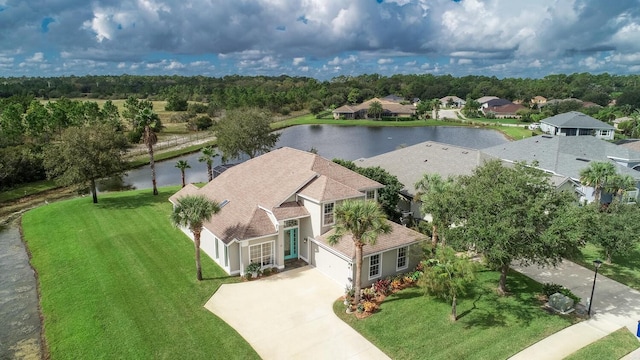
[[568, 155], [575, 123], [452, 101], [390, 108], [409, 164], [280, 207]]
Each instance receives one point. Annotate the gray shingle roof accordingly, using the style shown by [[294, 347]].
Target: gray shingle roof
[[574, 119], [409, 164], [564, 155]]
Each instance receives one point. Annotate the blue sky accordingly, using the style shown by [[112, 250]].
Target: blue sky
[[318, 38]]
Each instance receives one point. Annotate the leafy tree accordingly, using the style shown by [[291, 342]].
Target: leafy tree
[[176, 103], [439, 197], [354, 96], [192, 211], [470, 108], [316, 107], [614, 228], [389, 196], [245, 131], [423, 108], [111, 115], [375, 109], [147, 123], [85, 154], [208, 154], [365, 221], [447, 276], [11, 127], [596, 176], [515, 214], [183, 165], [630, 97]]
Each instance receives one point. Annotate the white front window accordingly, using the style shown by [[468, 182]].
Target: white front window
[[370, 195], [262, 254], [402, 262], [327, 214], [374, 266]]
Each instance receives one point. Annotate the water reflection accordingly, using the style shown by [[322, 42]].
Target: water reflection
[[345, 142]]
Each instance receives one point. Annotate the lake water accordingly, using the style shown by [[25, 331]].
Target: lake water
[[345, 142]]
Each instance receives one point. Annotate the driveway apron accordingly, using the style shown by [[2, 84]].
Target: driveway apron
[[290, 316]]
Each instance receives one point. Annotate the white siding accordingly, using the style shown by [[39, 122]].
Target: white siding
[[330, 264]]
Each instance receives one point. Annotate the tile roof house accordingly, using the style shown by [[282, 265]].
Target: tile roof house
[[568, 155], [390, 108], [504, 111], [280, 206], [575, 123]]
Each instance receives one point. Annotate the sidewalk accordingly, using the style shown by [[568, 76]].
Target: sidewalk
[[614, 306]]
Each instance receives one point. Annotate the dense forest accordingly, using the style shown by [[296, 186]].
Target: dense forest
[[34, 111]]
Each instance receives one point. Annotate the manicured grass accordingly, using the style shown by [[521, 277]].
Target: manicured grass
[[514, 132], [624, 268], [26, 190], [411, 325], [118, 281], [613, 347]]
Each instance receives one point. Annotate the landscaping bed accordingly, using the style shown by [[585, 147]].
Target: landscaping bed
[[410, 325]]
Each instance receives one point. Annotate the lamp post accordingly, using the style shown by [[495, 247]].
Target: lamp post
[[597, 264]]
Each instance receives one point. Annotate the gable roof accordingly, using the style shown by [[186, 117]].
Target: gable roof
[[484, 99], [409, 164], [507, 109], [564, 155], [498, 102], [575, 119], [264, 188], [398, 237], [388, 106]]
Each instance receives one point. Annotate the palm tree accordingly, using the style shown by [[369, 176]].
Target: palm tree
[[435, 103], [439, 199], [183, 165], [149, 122], [596, 176], [192, 211], [208, 154], [619, 184], [364, 220], [375, 109]]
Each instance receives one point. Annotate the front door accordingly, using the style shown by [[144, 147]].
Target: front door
[[291, 244]]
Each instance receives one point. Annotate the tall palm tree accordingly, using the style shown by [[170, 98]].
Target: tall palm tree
[[596, 176], [364, 220], [208, 154], [192, 211], [430, 183], [183, 165], [375, 109], [440, 198], [149, 122]]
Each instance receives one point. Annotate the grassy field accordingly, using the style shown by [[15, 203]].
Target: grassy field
[[26, 189], [117, 281], [411, 325], [611, 347], [623, 268]]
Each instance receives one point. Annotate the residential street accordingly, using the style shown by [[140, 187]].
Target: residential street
[[614, 306]]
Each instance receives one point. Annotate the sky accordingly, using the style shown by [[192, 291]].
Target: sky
[[322, 39]]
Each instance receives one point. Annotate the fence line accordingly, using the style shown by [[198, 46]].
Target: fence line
[[174, 141]]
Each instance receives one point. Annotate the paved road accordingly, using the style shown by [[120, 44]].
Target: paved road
[[614, 306], [290, 316]]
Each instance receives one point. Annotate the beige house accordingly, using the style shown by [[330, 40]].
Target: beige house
[[279, 207], [390, 108]]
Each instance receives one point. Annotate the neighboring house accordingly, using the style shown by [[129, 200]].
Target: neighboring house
[[538, 100], [566, 156], [410, 163], [454, 100], [484, 99], [360, 111], [280, 206], [495, 103], [575, 123], [504, 111], [618, 121]]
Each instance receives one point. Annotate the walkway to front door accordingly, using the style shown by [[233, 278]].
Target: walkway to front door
[[294, 319]]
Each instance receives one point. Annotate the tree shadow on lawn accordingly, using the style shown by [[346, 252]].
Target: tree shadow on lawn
[[404, 295]]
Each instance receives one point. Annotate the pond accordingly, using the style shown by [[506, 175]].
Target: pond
[[345, 142]]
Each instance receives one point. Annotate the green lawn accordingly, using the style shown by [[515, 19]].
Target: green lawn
[[411, 325], [117, 281], [26, 189], [611, 347], [623, 268]]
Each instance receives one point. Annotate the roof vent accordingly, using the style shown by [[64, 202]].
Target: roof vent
[[428, 145], [583, 159], [465, 152], [445, 148], [425, 160], [547, 137], [223, 203]]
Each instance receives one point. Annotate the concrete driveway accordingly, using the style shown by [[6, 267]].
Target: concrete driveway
[[290, 316]]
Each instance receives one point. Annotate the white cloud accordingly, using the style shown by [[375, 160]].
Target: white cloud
[[346, 61], [298, 61], [385, 61]]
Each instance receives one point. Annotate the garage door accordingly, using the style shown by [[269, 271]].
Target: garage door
[[330, 264]]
